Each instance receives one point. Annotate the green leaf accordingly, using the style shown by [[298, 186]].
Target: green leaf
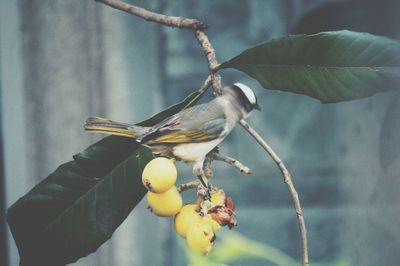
[[72, 212], [329, 66], [78, 207]]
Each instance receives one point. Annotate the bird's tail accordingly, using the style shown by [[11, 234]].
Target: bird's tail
[[102, 125]]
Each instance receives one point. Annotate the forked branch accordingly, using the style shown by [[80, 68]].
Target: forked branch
[[197, 27]]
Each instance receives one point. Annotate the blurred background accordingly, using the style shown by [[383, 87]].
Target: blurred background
[[62, 61]]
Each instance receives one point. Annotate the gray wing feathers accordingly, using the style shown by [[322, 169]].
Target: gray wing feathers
[[213, 127], [204, 115], [201, 119]]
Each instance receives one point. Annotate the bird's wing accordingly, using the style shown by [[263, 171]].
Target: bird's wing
[[197, 124]]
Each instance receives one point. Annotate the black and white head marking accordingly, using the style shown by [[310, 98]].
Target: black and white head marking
[[247, 97]]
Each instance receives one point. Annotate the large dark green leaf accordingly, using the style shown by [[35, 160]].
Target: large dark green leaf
[[72, 212], [329, 66], [337, 15], [79, 206]]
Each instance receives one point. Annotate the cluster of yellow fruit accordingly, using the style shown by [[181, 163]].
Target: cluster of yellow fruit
[[159, 177]]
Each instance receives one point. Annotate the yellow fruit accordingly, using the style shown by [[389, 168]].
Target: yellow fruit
[[200, 237], [185, 218], [165, 204], [214, 224], [159, 175], [218, 198]]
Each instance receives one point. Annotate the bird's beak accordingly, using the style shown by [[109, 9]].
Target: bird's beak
[[257, 107]]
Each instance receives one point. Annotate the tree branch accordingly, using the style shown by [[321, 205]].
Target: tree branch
[[211, 58], [289, 183], [172, 21], [223, 158]]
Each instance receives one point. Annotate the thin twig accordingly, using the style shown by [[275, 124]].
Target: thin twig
[[232, 161], [171, 21], [188, 185], [205, 85], [288, 181], [211, 58]]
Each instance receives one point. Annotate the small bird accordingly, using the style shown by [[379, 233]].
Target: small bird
[[192, 133]]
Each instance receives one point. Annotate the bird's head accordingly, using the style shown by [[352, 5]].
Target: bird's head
[[244, 97]]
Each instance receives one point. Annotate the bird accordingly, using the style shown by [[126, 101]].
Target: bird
[[192, 133]]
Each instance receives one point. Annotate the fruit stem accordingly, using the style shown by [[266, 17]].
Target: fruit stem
[[188, 185]]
